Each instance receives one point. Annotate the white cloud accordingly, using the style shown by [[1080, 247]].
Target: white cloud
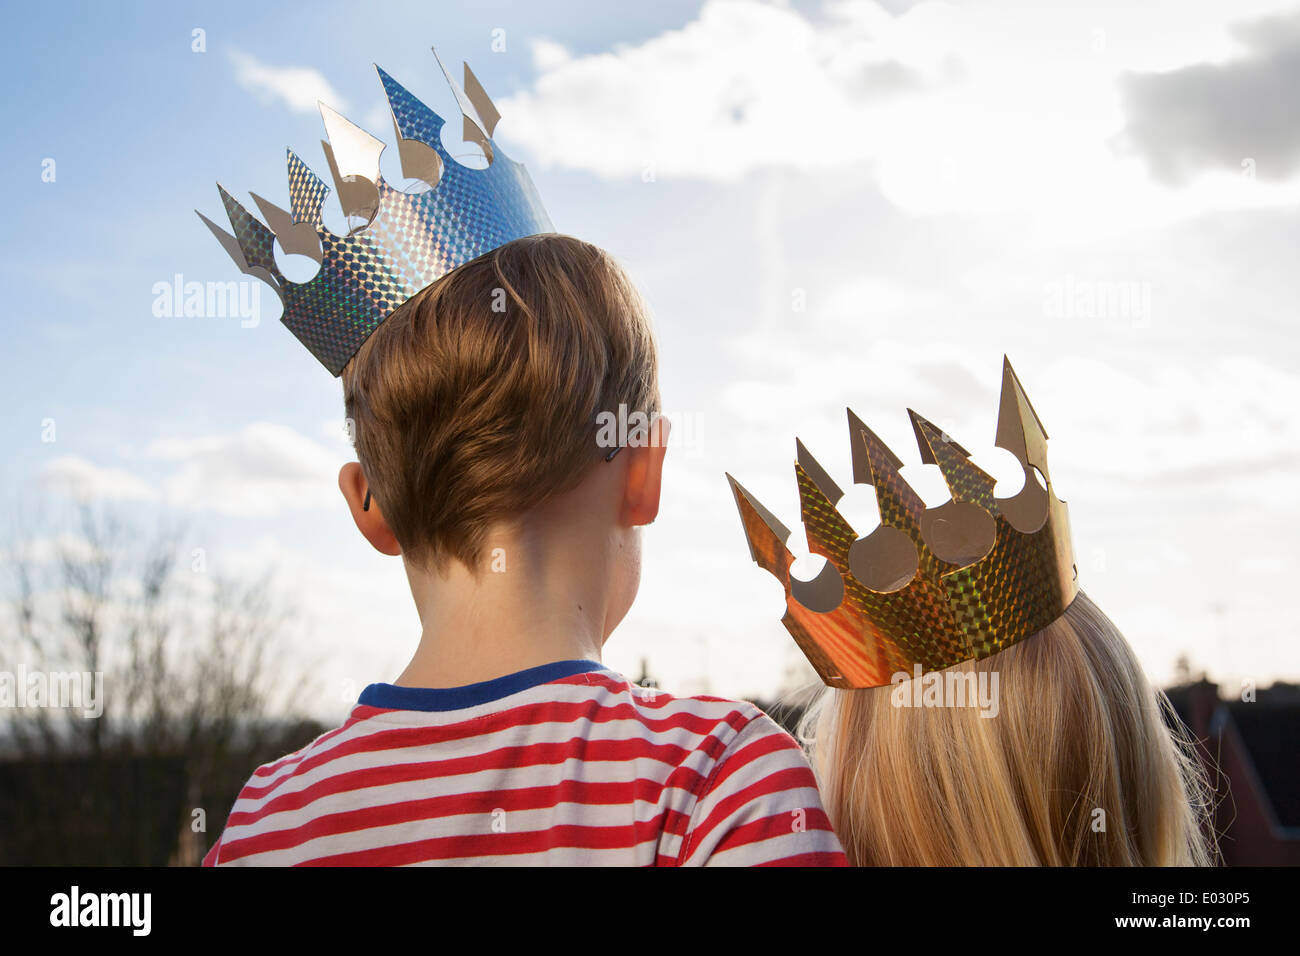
[[78, 478], [336, 432], [297, 87], [997, 109], [262, 470], [744, 85]]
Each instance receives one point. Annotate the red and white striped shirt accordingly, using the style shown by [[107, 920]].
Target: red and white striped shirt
[[564, 764]]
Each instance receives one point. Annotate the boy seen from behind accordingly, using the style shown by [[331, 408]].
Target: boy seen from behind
[[483, 462]]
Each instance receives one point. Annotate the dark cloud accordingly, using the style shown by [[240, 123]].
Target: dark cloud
[[1218, 115]]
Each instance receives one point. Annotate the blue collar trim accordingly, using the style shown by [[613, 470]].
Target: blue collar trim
[[393, 697]]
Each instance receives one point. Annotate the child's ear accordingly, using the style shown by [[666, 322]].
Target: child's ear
[[645, 467], [369, 519]]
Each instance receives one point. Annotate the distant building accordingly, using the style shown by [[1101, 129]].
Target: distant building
[[1251, 751]]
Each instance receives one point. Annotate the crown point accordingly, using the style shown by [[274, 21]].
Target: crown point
[[869, 452], [817, 474], [295, 238], [929, 436], [749, 506], [418, 129], [307, 191], [475, 126], [228, 242], [353, 157], [1020, 430], [922, 439], [483, 104], [386, 79]]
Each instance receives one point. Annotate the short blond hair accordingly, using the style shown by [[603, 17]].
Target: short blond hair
[[1079, 729], [479, 397]]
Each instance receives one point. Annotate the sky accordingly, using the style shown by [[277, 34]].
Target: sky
[[826, 205]]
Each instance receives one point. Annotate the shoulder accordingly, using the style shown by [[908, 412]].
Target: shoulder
[[710, 725], [709, 739], [759, 750], [760, 804], [273, 784]]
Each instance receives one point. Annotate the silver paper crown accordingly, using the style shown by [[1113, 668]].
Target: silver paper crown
[[405, 240]]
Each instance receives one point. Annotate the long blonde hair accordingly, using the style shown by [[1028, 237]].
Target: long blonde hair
[[1077, 768]]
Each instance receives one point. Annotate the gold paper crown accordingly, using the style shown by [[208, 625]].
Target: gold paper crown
[[930, 586]]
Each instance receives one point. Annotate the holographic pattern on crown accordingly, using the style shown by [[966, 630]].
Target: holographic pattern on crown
[[410, 239], [931, 586]]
